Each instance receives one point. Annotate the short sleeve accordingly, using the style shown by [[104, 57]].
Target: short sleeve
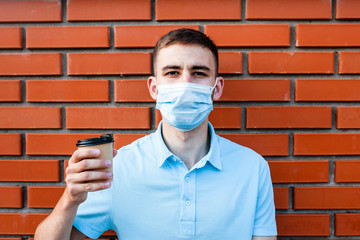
[[265, 223], [94, 215]]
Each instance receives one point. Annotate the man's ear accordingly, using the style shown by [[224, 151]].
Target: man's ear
[[151, 83], [218, 88]]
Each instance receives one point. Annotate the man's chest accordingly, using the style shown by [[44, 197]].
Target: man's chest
[[191, 205]]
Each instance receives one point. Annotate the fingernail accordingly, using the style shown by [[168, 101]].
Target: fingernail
[[107, 184], [96, 151], [109, 174], [108, 163]]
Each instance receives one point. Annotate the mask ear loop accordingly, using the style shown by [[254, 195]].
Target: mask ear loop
[[216, 81]]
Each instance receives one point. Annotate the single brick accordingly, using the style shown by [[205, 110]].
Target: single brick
[[347, 224], [291, 62], [30, 117], [131, 90], [43, 197], [327, 198], [10, 144], [30, 64], [108, 10], [108, 118], [281, 197], [220, 117], [67, 90], [30, 11], [68, 37], [339, 90], [253, 35], [53, 144], [288, 117], [288, 9], [347, 9], [11, 197], [256, 90], [226, 117], [125, 139], [20, 223], [29, 171], [347, 171], [264, 144], [326, 144], [299, 171], [230, 63], [143, 36], [10, 91], [10, 37], [190, 10], [303, 224], [348, 117], [349, 62], [109, 63], [327, 35]]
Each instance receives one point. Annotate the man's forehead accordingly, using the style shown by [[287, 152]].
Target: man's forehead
[[178, 54]]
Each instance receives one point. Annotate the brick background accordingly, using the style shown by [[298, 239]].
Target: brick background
[[292, 87]]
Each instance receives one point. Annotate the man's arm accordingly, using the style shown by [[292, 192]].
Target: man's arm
[[59, 223], [81, 173], [264, 238]]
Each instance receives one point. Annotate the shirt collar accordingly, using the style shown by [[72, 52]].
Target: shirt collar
[[161, 149], [163, 153]]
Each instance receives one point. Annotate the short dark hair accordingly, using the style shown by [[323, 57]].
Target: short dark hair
[[186, 36]]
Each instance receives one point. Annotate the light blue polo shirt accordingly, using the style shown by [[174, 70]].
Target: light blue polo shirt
[[227, 195]]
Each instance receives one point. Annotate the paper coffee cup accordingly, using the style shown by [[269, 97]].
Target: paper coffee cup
[[104, 143]]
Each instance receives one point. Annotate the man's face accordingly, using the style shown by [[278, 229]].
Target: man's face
[[185, 63]]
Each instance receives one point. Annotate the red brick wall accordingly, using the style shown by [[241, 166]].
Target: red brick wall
[[75, 69]]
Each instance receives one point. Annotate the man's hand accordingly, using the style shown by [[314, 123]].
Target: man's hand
[[86, 174]]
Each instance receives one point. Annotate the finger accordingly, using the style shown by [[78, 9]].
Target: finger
[[80, 188], [94, 186], [89, 176], [89, 164], [82, 153]]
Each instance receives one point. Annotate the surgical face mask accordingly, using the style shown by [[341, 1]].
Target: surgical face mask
[[184, 105]]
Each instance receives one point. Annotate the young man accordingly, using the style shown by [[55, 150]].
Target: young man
[[181, 182]]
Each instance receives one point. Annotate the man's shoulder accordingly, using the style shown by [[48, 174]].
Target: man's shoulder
[[142, 142], [136, 152], [235, 153]]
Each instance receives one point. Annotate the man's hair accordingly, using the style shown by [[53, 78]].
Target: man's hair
[[186, 36]]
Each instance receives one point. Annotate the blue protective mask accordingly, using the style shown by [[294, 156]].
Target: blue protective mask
[[184, 105]]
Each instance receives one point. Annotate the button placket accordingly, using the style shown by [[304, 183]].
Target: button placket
[[187, 214]]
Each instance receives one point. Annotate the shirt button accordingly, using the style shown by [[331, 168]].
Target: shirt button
[[187, 203], [187, 179]]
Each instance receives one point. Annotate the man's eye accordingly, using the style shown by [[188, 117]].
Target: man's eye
[[172, 73], [200, 74]]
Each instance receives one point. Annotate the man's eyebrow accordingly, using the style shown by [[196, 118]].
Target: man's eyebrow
[[170, 67], [200, 67], [195, 67]]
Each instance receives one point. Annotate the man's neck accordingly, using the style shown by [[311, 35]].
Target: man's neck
[[189, 146]]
